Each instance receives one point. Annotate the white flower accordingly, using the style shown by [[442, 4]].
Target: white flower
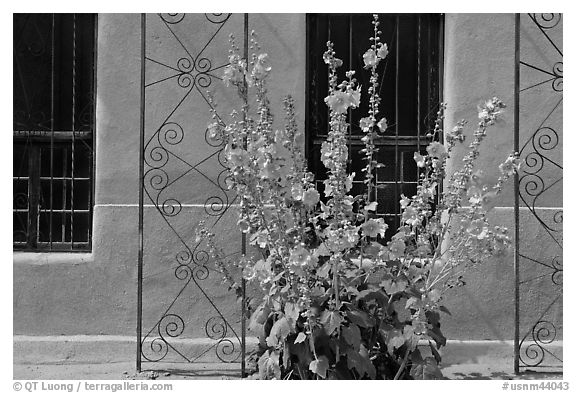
[[436, 150], [510, 166], [300, 256], [243, 225], [237, 157], [396, 249], [299, 139], [297, 191], [410, 216], [214, 133], [269, 170], [328, 189], [370, 59], [234, 73], [365, 124], [340, 101], [488, 200], [382, 51], [478, 179], [349, 181], [491, 109], [420, 160], [311, 197], [261, 67], [383, 124], [374, 227], [478, 229], [404, 201], [249, 273], [355, 97]]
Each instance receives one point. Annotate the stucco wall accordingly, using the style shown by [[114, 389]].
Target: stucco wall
[[479, 64], [96, 293]]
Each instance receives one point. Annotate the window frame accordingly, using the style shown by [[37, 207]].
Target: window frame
[[397, 142], [60, 137]]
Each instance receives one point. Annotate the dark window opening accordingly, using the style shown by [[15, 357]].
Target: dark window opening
[[53, 123], [409, 89]]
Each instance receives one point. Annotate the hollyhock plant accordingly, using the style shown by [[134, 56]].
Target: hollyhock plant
[[332, 284]]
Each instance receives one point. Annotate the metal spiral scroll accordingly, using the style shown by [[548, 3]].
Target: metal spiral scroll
[[540, 176], [534, 352], [538, 150], [546, 21], [191, 264], [536, 159]]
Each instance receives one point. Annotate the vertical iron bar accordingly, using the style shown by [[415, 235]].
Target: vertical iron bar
[[52, 99], [73, 158], [350, 67], [397, 115], [64, 193], [141, 191], [308, 145], [92, 139], [243, 333], [33, 195], [516, 196], [418, 93]]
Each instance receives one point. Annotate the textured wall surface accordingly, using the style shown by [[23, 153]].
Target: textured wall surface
[[479, 64], [96, 294]]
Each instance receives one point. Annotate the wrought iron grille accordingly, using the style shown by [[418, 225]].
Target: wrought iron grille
[[53, 123], [409, 88], [182, 57], [538, 207]]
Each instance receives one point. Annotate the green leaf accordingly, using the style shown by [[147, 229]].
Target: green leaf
[[445, 310], [279, 332], [361, 364], [437, 336], [435, 352], [352, 336], [292, 312], [434, 331], [414, 303], [269, 365], [331, 321], [319, 366], [394, 339], [300, 338], [433, 318], [392, 286], [435, 295], [409, 335], [373, 294], [259, 317], [426, 369], [324, 271], [360, 318], [322, 251]]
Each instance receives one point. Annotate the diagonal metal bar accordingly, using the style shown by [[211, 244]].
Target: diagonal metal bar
[[537, 68], [546, 35]]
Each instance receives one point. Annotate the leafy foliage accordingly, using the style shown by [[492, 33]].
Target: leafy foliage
[[333, 289]]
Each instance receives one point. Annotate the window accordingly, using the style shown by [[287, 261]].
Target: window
[[53, 127], [409, 88]]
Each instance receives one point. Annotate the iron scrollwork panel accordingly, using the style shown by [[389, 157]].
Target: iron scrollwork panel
[[186, 314], [540, 192]]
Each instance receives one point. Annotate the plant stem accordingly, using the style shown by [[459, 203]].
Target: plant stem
[[403, 365]]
